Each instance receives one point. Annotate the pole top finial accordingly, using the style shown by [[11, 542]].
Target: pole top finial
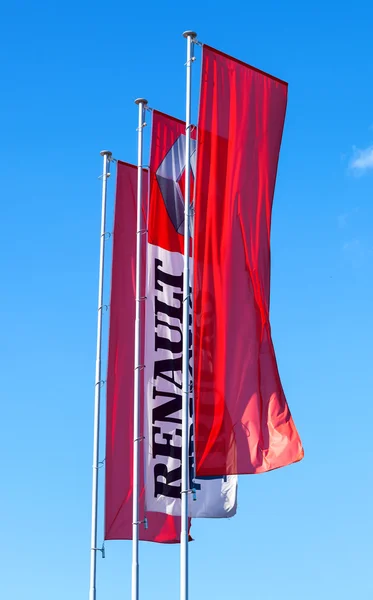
[[141, 101], [191, 34], [106, 153]]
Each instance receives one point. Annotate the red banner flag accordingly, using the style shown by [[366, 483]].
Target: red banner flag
[[243, 422], [119, 426], [216, 497]]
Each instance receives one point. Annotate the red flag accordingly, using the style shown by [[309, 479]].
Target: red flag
[[243, 422], [119, 426]]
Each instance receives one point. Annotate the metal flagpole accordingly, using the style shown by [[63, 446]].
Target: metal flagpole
[[96, 421], [184, 534], [141, 102]]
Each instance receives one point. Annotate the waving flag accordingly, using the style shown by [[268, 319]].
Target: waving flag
[[243, 422], [215, 497], [119, 418]]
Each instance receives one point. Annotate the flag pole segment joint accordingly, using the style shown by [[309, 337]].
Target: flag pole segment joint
[[193, 491], [104, 307], [102, 550], [101, 383], [143, 522]]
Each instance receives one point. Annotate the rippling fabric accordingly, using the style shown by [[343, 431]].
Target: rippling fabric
[[120, 378], [243, 423]]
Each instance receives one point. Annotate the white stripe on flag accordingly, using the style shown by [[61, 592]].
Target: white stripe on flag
[[215, 498]]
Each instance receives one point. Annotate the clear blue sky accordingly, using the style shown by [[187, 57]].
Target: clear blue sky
[[70, 72]]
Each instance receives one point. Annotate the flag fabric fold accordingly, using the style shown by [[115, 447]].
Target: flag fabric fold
[[243, 422]]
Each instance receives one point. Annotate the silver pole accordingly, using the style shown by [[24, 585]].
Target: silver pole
[[96, 420], [141, 102], [184, 592]]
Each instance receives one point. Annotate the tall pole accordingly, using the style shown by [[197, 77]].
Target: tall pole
[[96, 420], [141, 102], [185, 487]]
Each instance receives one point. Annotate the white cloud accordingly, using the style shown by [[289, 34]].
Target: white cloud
[[362, 160], [342, 220], [353, 246]]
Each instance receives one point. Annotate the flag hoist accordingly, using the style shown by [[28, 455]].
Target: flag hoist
[[106, 154]]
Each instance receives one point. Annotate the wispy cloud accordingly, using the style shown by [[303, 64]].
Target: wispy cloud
[[357, 252], [354, 252], [362, 160], [353, 246], [344, 219]]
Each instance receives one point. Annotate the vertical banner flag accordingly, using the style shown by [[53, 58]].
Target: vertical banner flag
[[215, 497], [243, 423], [119, 419]]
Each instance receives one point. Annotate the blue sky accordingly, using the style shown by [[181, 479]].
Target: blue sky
[[70, 73]]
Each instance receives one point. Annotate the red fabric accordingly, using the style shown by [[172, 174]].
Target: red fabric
[[119, 426], [243, 422], [165, 132]]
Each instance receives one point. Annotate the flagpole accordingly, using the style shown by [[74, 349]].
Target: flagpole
[[106, 154], [141, 102], [185, 487]]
